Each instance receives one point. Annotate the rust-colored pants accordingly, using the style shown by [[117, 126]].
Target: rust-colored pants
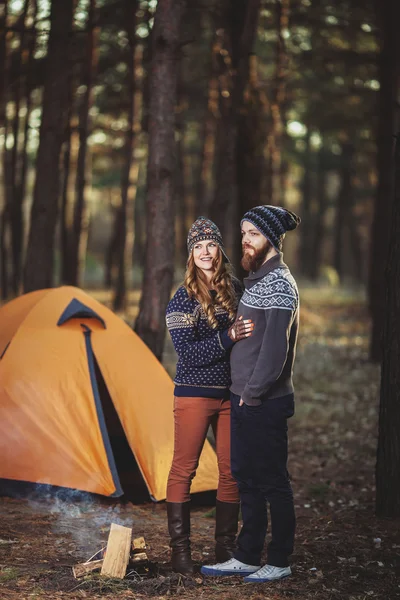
[[192, 417]]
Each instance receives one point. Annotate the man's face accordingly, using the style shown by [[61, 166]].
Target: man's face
[[255, 247]]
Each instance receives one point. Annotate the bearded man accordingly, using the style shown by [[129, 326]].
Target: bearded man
[[262, 399]]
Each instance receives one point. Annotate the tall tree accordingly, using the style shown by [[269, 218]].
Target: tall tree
[[307, 196], [161, 177], [319, 219], [240, 30], [275, 134], [386, 127], [19, 157], [38, 272], [81, 219], [388, 454], [3, 126], [124, 226], [343, 207]]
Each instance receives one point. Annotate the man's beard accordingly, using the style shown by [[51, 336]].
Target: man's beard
[[252, 262]]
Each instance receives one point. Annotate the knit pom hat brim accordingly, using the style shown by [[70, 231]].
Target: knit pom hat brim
[[205, 229], [272, 222]]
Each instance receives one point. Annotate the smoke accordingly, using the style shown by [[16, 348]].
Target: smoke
[[81, 515]]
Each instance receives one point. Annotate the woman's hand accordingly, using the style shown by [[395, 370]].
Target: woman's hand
[[241, 328]]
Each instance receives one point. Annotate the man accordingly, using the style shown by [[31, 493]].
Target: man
[[262, 399]]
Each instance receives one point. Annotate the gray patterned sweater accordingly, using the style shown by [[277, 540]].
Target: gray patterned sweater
[[262, 365]]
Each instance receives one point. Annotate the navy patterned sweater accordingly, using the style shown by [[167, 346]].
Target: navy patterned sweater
[[203, 368]]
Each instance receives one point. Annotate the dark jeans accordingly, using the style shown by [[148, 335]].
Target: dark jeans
[[259, 449]]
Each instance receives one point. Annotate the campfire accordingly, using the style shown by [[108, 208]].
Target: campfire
[[113, 560]]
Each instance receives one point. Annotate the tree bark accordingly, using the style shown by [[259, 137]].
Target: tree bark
[[124, 255], [307, 226], [180, 195], [388, 454], [20, 160], [111, 248], [3, 125], [274, 143], [38, 272], [207, 153], [344, 203], [81, 217], [242, 21], [319, 220], [388, 68], [161, 169], [65, 229]]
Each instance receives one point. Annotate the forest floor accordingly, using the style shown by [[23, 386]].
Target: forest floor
[[342, 550]]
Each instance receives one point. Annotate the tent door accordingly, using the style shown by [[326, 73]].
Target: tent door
[[129, 473]]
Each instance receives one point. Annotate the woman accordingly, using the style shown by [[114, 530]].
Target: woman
[[201, 322]]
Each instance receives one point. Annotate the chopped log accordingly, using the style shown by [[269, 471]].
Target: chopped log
[[82, 569], [139, 557], [118, 550], [138, 544]]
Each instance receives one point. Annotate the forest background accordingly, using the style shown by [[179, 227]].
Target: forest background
[[121, 121]]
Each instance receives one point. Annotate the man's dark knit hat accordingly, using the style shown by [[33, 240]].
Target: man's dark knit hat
[[204, 229], [273, 222]]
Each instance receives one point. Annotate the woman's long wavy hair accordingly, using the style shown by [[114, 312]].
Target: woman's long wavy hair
[[222, 282]]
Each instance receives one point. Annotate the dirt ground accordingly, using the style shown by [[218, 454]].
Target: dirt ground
[[342, 550]]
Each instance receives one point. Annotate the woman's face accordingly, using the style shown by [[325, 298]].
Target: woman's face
[[205, 254]]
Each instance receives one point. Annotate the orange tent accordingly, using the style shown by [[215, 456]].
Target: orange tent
[[72, 374]]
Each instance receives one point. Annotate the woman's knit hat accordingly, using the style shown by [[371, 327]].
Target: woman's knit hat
[[204, 229], [273, 222]]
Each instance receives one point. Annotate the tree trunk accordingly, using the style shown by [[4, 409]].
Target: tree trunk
[[252, 122], [123, 255], [319, 219], [388, 454], [274, 143], [20, 160], [139, 245], [307, 226], [344, 202], [38, 272], [160, 218], [205, 175], [111, 248], [386, 127], [65, 233], [180, 195], [3, 125], [239, 36], [80, 226]]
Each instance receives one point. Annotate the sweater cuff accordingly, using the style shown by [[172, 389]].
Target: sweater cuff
[[225, 340], [247, 399]]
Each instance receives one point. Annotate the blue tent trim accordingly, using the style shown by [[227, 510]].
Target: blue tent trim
[[100, 414], [78, 310]]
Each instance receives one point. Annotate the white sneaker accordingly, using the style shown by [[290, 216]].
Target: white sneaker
[[268, 573], [229, 567]]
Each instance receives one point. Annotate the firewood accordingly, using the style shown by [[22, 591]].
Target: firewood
[[82, 569], [118, 550], [138, 544], [139, 557]]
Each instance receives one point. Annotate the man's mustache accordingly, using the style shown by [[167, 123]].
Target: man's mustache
[[247, 247]]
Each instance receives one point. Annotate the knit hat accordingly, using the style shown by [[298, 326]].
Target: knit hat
[[273, 222], [204, 229]]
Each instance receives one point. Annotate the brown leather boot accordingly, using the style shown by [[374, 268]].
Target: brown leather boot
[[226, 527], [179, 531]]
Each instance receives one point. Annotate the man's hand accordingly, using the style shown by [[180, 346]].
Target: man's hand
[[241, 402], [240, 329]]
